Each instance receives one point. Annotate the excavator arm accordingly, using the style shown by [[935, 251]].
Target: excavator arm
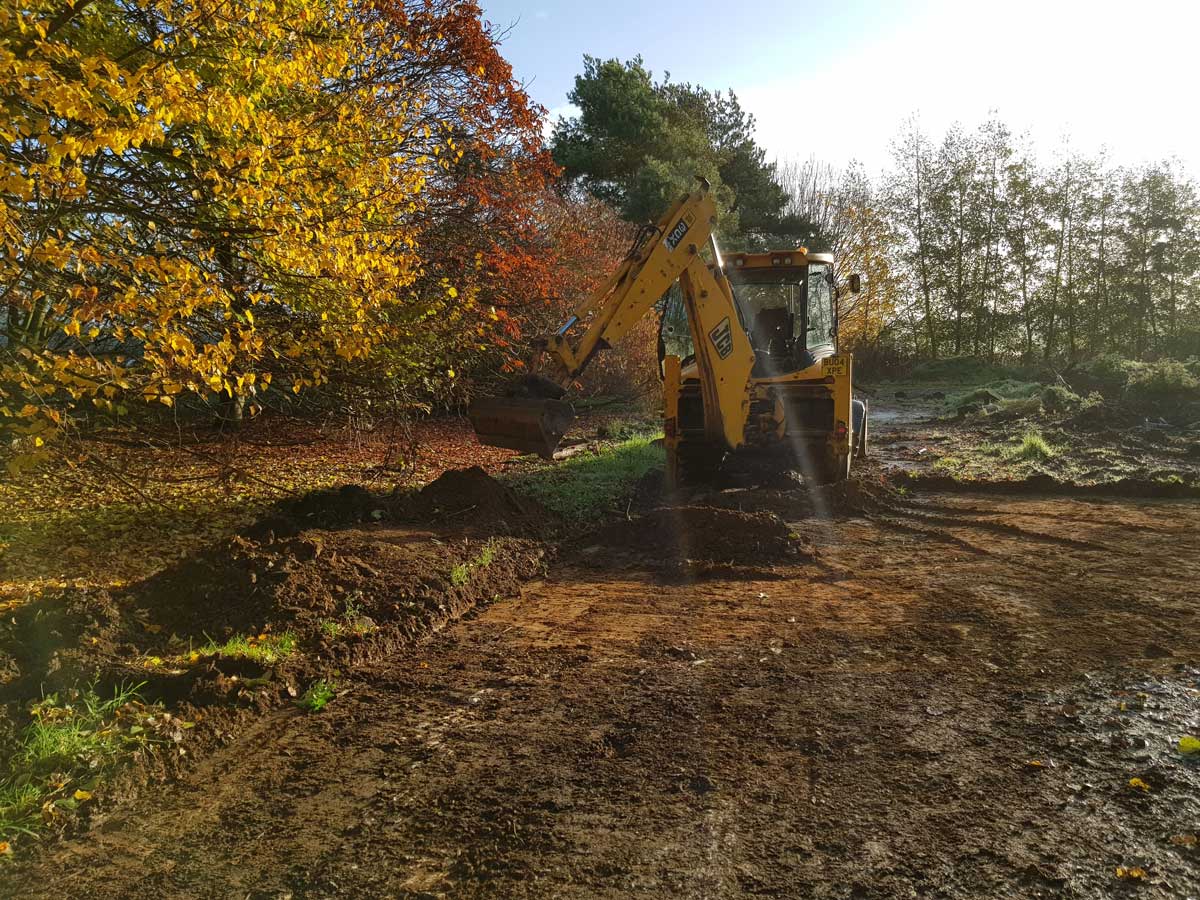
[[533, 416]]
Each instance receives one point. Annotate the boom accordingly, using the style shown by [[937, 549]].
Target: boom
[[534, 417]]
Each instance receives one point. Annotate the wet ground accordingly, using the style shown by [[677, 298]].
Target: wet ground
[[953, 695]]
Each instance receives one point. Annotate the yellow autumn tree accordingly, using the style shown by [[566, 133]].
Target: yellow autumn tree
[[198, 194], [866, 245]]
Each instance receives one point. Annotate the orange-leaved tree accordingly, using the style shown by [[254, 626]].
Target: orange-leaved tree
[[200, 194]]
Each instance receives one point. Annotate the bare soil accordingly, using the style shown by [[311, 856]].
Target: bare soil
[[857, 691], [950, 701]]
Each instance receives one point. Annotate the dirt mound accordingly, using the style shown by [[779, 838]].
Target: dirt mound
[[321, 584], [704, 534], [472, 500], [245, 605]]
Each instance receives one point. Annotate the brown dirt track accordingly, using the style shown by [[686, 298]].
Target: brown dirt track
[[947, 699]]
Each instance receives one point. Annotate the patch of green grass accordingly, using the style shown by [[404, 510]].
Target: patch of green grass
[[318, 695], [265, 648], [995, 392], [461, 573], [1033, 447], [590, 484], [331, 628], [949, 465], [624, 429], [70, 744]]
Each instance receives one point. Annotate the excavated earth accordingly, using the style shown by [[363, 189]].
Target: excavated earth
[[853, 693]]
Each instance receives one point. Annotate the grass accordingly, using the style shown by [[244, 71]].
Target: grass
[[70, 744], [264, 648], [1006, 389], [461, 574], [588, 485], [1033, 448], [353, 621], [318, 695], [331, 628]]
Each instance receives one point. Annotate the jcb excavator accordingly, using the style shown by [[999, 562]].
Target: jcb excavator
[[747, 348]]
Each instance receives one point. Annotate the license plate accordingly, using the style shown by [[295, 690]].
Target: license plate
[[833, 365]]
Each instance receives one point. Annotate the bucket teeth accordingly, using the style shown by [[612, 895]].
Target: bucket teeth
[[531, 425]]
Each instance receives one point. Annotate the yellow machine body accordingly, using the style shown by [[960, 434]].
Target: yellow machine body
[[732, 391]]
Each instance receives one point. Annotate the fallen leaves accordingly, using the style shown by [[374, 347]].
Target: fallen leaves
[[1189, 745], [1134, 873], [1140, 785]]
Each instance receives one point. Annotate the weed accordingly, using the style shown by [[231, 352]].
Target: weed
[[1032, 447], [951, 465], [319, 693], [994, 393], [71, 742], [352, 607], [331, 629], [961, 369], [264, 648], [461, 573], [1163, 385]]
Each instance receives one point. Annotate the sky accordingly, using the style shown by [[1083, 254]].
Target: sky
[[837, 80]]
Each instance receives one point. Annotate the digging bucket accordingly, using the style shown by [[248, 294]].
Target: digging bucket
[[529, 424]]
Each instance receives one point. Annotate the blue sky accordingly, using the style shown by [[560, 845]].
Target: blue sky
[[1068, 72]]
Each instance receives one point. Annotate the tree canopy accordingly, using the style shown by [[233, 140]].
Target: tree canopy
[[638, 144]]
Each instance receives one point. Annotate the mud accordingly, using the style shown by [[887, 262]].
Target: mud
[[952, 704], [471, 500], [680, 535], [366, 577]]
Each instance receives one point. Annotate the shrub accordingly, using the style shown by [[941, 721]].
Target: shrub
[[1056, 397], [1167, 383], [1107, 373], [968, 369]]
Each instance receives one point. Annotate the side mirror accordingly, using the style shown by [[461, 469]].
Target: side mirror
[[855, 283]]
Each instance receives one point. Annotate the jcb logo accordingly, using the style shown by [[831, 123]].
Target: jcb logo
[[676, 235], [722, 338]]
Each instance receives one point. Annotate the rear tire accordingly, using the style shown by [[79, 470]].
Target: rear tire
[[860, 429], [833, 468]]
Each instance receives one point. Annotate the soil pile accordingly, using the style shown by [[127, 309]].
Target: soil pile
[[471, 500], [316, 593], [353, 578], [704, 535]]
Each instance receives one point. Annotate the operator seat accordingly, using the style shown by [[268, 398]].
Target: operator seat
[[772, 331]]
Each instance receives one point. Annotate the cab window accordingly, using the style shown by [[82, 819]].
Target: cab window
[[819, 333]]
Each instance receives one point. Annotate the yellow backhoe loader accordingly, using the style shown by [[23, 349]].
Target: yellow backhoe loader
[[747, 347]]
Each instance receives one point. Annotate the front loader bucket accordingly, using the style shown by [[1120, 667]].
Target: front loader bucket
[[531, 425]]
